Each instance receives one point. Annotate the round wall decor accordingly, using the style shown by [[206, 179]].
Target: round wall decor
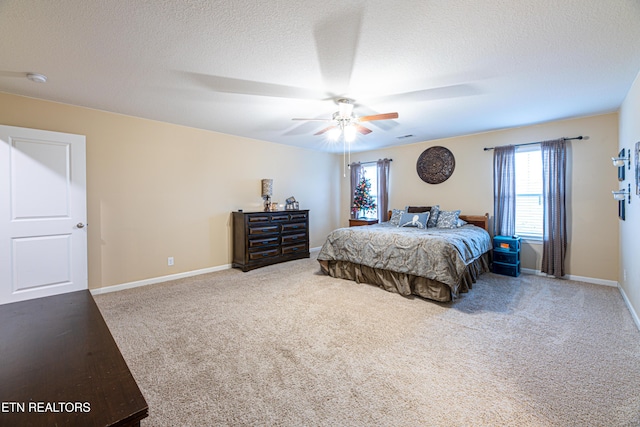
[[435, 165]]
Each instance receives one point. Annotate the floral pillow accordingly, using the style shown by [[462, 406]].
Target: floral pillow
[[395, 216], [418, 220], [448, 219]]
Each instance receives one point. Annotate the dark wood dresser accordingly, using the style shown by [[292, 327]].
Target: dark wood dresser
[[265, 238], [60, 366]]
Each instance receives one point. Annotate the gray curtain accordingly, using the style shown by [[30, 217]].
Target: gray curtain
[[554, 245], [504, 190], [355, 177], [383, 189]]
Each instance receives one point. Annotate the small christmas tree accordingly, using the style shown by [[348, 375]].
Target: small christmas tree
[[362, 199]]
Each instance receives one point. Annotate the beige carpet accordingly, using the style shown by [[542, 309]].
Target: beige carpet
[[287, 346]]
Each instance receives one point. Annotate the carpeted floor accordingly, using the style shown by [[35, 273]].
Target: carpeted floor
[[287, 346]]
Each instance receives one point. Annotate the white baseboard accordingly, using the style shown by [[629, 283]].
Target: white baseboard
[[154, 280], [592, 280], [168, 278], [634, 315]]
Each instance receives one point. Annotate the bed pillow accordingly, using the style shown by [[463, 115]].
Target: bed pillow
[[417, 209], [395, 216], [462, 222], [418, 220], [448, 219], [433, 213]]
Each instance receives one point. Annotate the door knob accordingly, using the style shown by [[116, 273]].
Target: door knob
[[80, 225]]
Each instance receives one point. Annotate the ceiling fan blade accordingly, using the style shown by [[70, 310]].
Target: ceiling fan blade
[[325, 130], [337, 39], [385, 116], [436, 93], [313, 120], [363, 130], [249, 87]]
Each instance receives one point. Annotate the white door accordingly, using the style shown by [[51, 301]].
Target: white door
[[43, 234]]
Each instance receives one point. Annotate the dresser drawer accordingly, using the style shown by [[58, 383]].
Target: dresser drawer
[[264, 254], [258, 243], [264, 229], [293, 238], [294, 226], [294, 248], [258, 218], [299, 215]]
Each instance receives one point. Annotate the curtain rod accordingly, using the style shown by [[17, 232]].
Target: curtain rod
[[369, 163], [538, 142]]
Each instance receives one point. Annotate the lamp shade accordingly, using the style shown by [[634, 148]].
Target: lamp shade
[[267, 187]]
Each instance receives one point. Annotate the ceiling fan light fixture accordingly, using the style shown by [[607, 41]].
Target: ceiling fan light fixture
[[349, 133], [333, 134], [345, 108]]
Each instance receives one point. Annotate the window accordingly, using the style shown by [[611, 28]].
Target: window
[[370, 171], [529, 202]]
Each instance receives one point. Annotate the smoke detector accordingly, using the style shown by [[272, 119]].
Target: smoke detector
[[38, 78]]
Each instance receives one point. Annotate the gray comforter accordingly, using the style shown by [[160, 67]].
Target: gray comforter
[[435, 253]]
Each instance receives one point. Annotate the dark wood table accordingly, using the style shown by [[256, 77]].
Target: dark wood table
[[60, 366], [358, 222]]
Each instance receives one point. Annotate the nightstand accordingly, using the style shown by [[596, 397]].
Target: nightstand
[[361, 221], [506, 255]]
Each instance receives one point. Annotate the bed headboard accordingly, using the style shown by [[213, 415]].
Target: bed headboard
[[481, 221]]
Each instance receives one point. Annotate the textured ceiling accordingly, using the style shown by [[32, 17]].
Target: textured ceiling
[[247, 67]]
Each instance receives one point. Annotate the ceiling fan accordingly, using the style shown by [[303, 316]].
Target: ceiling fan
[[344, 122]]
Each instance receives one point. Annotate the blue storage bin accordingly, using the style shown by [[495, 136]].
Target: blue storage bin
[[506, 243], [506, 269], [506, 255]]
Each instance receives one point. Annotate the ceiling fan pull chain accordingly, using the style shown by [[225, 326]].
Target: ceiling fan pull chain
[[344, 157]]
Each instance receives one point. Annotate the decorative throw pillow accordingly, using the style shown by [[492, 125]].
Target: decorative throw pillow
[[433, 213], [395, 216], [418, 220], [462, 222], [433, 217], [448, 219]]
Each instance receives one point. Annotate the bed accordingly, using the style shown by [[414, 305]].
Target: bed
[[431, 262]]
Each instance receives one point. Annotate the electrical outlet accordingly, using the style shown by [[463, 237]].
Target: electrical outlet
[[170, 260]]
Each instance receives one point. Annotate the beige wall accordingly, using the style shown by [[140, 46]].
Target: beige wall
[[592, 212], [156, 190], [630, 228]]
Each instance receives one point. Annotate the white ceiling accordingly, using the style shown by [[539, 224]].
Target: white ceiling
[[247, 67]]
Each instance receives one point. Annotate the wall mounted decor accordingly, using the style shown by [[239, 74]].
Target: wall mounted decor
[[435, 165], [619, 162], [637, 157]]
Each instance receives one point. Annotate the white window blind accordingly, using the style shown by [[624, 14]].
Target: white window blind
[[529, 202], [371, 172]]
